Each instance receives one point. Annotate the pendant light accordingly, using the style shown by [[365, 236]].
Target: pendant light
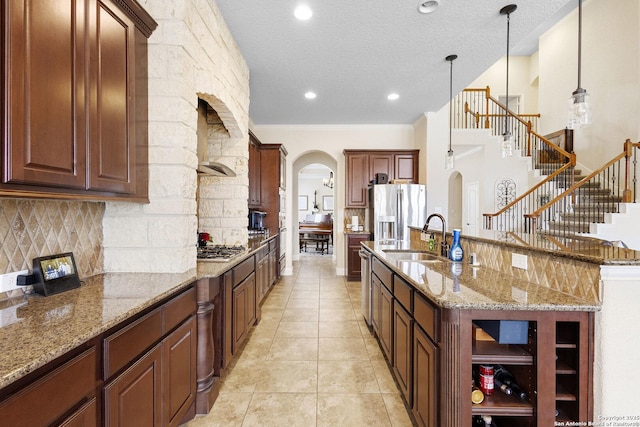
[[579, 101], [507, 138], [450, 162]]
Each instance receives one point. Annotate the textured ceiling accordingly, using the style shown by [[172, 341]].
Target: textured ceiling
[[354, 53]]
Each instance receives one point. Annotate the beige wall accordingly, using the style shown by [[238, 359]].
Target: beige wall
[[610, 73]]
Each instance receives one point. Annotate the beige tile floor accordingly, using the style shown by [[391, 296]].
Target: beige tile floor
[[310, 361]]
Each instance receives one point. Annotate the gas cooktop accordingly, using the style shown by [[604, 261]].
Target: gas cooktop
[[219, 253]]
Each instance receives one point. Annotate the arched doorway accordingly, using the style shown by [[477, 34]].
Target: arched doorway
[[315, 166]]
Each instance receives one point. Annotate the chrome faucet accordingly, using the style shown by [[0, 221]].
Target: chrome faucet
[[444, 247]]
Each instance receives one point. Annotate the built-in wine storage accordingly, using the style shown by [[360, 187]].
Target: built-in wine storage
[[551, 363], [519, 360]]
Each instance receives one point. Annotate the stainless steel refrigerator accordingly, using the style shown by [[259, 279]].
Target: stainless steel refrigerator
[[395, 207]]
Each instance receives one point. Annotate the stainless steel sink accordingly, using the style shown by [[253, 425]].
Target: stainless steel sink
[[407, 255]]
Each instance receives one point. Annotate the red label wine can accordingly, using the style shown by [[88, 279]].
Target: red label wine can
[[486, 379]]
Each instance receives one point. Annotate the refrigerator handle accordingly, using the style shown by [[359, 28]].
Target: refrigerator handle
[[400, 216]]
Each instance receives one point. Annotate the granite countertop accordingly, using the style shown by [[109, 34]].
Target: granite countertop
[[36, 330], [461, 286]]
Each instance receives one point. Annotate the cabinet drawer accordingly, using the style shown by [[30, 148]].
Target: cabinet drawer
[[123, 346], [178, 309], [48, 398], [86, 416], [402, 291], [426, 315], [242, 270], [383, 272]]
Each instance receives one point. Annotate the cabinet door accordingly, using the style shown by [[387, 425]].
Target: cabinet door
[[354, 264], [357, 180], [179, 372], [50, 397], [254, 173], [386, 322], [283, 170], [244, 310], [380, 163], [376, 285], [402, 350], [134, 398], [111, 110], [46, 81], [273, 267], [424, 379], [406, 166]]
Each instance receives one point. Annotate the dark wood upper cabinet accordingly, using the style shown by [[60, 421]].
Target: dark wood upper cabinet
[[363, 165], [75, 99], [112, 155], [43, 93]]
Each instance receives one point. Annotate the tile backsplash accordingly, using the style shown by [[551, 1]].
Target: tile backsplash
[[570, 276], [33, 228]]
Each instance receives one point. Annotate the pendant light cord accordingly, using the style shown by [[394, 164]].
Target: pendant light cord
[[506, 111], [579, 42], [450, 100]]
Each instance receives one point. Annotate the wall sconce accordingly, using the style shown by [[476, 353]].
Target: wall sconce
[[507, 141], [579, 101], [328, 182]]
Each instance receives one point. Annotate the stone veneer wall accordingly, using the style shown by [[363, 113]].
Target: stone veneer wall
[[191, 54], [567, 275], [222, 201], [33, 228]]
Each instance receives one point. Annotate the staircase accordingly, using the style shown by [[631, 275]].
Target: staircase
[[565, 206], [591, 203]]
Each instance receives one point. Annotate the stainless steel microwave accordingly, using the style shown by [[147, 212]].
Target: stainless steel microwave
[[256, 220]]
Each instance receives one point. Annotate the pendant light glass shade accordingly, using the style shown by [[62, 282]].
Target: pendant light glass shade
[[579, 109], [507, 145], [450, 160]]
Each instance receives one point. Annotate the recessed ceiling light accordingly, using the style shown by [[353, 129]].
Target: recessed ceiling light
[[303, 12], [393, 96], [428, 6], [310, 95]]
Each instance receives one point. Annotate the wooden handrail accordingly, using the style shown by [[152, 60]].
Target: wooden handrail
[[518, 117], [628, 145]]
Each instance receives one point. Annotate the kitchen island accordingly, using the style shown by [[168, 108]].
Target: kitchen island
[[573, 294], [427, 312]]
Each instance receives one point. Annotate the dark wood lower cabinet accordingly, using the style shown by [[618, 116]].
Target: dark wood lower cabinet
[[244, 310], [386, 322], [402, 355], [179, 372], [425, 398], [134, 397], [354, 263], [160, 387], [55, 394]]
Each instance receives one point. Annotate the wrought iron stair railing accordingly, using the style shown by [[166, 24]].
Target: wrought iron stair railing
[[573, 210]]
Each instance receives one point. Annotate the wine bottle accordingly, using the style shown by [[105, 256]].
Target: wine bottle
[[502, 376], [501, 386]]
